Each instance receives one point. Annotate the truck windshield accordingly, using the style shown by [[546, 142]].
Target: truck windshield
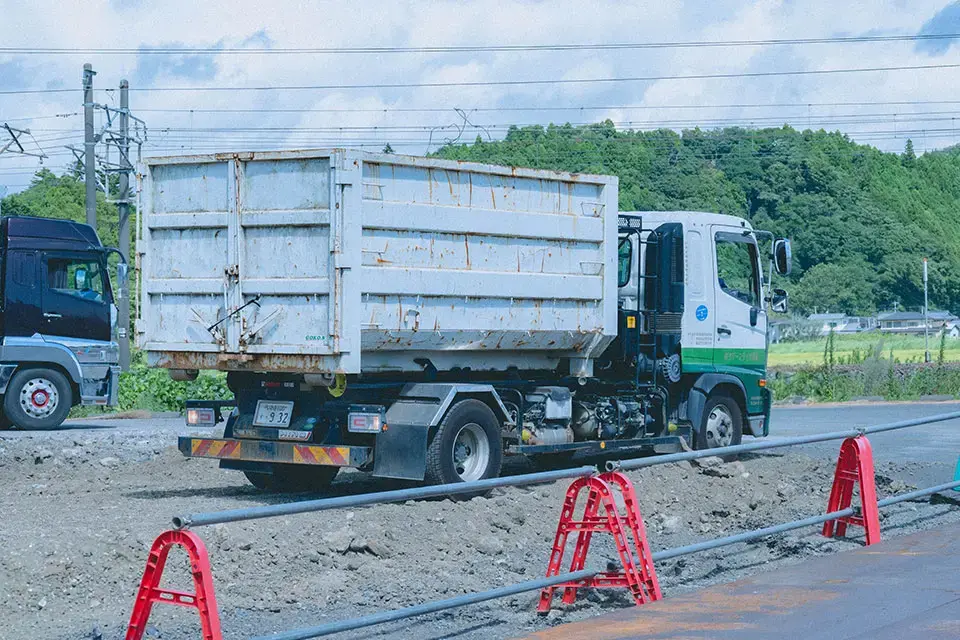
[[78, 277], [625, 255], [737, 269]]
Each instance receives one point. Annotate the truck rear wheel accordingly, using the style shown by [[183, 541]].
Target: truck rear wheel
[[722, 424], [38, 399], [294, 478], [467, 445]]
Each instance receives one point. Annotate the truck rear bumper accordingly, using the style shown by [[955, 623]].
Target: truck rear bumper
[[274, 451]]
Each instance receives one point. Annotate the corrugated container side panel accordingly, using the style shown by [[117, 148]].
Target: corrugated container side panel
[[460, 261]]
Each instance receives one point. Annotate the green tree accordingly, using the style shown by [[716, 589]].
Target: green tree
[[52, 196], [836, 288]]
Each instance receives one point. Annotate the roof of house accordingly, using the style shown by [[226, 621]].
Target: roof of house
[[827, 316], [915, 315], [900, 315]]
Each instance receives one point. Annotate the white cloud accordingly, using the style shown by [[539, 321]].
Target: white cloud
[[81, 23]]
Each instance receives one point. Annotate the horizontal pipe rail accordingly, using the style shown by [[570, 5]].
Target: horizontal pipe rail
[[401, 495], [919, 493], [630, 465], [747, 536], [428, 607], [417, 493]]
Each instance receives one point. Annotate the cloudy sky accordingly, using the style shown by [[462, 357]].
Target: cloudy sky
[[239, 46]]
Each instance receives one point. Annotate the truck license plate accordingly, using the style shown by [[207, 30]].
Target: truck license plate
[[273, 414]]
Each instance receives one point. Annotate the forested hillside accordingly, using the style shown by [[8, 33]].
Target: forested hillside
[[861, 220]]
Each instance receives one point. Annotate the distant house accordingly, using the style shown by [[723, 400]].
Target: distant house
[[841, 323], [912, 321]]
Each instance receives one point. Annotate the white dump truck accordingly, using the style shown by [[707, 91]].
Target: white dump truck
[[422, 318]]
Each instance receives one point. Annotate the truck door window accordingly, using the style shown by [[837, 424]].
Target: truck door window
[[76, 277], [625, 257], [737, 270]]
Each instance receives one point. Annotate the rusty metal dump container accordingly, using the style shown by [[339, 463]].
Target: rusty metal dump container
[[347, 261]]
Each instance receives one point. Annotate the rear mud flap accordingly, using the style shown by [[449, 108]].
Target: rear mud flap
[[401, 452]]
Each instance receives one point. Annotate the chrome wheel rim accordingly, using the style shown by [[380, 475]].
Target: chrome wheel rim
[[39, 398], [471, 452], [719, 427]]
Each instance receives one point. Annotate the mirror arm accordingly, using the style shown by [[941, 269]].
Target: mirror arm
[[109, 250]]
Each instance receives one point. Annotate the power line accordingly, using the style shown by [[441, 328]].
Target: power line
[[493, 83], [690, 44], [844, 119], [484, 109]]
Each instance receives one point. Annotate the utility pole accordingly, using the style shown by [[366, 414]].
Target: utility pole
[[123, 208], [926, 321], [89, 146]]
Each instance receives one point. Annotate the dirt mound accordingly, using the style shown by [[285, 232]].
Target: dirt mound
[[84, 510]]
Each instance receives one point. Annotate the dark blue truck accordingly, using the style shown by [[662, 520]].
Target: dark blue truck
[[58, 321]]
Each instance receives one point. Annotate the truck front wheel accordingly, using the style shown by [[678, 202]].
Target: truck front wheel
[[294, 478], [38, 399], [722, 424], [467, 445]]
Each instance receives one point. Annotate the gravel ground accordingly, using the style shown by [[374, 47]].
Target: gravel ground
[[80, 509]]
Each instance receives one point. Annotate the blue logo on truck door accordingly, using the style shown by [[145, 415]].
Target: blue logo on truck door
[[702, 312]]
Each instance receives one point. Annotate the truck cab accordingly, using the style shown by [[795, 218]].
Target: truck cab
[[694, 312], [58, 321]]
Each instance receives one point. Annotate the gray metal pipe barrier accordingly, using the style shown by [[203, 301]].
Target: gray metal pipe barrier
[[417, 493], [630, 465], [306, 506], [533, 585], [428, 607], [343, 502]]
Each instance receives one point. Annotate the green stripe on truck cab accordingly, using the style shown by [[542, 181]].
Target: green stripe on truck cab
[[749, 365]]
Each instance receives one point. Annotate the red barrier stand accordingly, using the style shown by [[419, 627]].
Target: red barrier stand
[[638, 575], [855, 465], [203, 598]]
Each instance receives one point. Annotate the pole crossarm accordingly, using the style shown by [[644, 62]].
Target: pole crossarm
[[13, 144]]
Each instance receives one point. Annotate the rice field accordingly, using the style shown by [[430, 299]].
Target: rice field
[[853, 348]]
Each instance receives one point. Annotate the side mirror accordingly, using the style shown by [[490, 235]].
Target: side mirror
[[778, 301], [80, 279], [782, 256]]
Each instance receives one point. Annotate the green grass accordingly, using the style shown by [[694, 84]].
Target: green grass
[[854, 347]]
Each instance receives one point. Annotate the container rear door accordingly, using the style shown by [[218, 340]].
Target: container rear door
[[245, 259]]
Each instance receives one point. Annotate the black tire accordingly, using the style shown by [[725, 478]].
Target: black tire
[[38, 399], [476, 456], [5, 423], [721, 425], [294, 478]]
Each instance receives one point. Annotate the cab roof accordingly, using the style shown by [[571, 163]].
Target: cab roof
[[701, 217], [26, 232]]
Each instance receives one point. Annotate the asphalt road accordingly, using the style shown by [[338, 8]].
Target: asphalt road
[[938, 442]]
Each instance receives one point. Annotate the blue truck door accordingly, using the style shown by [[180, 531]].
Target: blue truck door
[[76, 297]]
